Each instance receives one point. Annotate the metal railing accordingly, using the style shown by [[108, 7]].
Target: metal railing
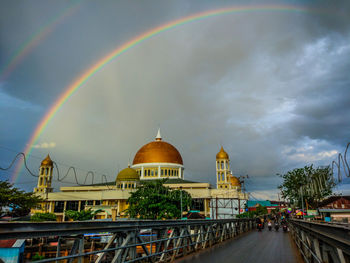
[[318, 242], [164, 241]]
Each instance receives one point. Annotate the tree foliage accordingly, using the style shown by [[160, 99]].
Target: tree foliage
[[153, 200], [314, 184], [40, 217], [16, 201], [83, 215], [260, 211]]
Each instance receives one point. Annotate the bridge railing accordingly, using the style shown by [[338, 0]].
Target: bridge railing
[[129, 241], [320, 242]]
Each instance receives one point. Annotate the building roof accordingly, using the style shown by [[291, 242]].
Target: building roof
[[334, 210], [168, 181], [332, 199], [251, 203], [11, 243], [222, 154], [47, 161], [128, 174], [158, 152]]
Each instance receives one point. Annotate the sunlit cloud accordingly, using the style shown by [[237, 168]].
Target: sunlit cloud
[[45, 145]]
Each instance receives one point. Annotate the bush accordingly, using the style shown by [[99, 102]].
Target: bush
[[82, 215], [40, 217]]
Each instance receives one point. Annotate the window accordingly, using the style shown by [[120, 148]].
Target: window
[[161, 172], [152, 173], [90, 202], [97, 202], [166, 172], [198, 204], [72, 205], [42, 171], [82, 205], [59, 205], [47, 171]]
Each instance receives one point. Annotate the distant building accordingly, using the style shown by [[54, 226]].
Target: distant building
[[270, 205], [337, 208], [11, 250], [155, 160]]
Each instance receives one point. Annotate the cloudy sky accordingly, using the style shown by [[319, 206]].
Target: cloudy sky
[[272, 87]]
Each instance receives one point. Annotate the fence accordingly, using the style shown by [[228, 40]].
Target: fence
[[321, 242], [130, 241]]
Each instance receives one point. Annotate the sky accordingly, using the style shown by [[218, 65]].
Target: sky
[[272, 87]]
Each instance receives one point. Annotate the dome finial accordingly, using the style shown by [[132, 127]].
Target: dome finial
[[158, 137]]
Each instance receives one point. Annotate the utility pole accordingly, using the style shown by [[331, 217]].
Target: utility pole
[[181, 200], [302, 201]]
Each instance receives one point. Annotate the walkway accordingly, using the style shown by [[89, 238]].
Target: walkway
[[265, 246]]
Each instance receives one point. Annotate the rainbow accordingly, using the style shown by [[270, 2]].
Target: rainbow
[[27, 46], [86, 75]]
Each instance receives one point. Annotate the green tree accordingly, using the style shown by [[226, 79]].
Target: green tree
[[16, 201], [153, 200], [314, 184], [40, 217], [83, 215]]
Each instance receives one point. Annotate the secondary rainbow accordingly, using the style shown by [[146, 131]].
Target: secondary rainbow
[[83, 78], [26, 47]]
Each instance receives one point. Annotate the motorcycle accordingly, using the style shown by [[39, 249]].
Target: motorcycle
[[285, 228], [259, 227], [269, 225], [277, 227]]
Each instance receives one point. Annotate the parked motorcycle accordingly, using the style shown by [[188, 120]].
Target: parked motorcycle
[[277, 227], [269, 225]]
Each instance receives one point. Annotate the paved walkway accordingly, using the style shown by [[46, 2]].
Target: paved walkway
[[264, 247]]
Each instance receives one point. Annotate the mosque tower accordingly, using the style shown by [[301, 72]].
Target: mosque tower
[[224, 177], [45, 176], [222, 168]]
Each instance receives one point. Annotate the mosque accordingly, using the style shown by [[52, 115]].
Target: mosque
[[155, 160]]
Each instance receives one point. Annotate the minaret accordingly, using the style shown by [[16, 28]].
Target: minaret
[[222, 169], [158, 137], [45, 176]]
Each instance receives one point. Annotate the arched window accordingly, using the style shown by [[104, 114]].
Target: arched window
[[222, 165], [41, 171], [166, 172], [161, 172], [222, 177], [152, 172]]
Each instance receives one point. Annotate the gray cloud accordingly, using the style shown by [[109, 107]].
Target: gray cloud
[[271, 87]]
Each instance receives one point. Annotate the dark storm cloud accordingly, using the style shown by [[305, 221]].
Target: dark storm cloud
[[271, 87]]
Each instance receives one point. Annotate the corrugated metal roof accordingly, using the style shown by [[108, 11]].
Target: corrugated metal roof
[[262, 203], [334, 210]]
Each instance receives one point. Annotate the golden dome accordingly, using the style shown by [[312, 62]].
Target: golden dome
[[158, 152], [128, 174], [222, 154], [235, 181], [47, 161]]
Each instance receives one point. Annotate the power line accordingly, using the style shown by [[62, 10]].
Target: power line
[[344, 162], [104, 179]]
